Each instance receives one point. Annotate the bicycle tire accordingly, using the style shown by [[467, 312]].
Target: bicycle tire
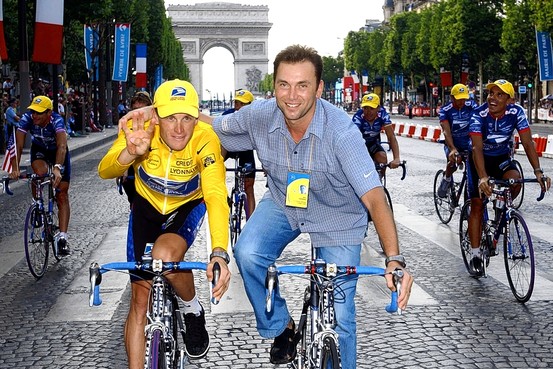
[[155, 352], [518, 253], [444, 206], [54, 229], [36, 245], [233, 220], [464, 240], [329, 354], [517, 202]]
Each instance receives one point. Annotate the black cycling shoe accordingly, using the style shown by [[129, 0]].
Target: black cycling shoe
[[63, 247], [196, 340], [283, 350], [476, 266]]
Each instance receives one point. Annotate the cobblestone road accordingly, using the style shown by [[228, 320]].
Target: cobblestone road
[[457, 321]]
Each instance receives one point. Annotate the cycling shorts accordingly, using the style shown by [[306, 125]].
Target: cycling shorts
[[244, 157], [373, 148], [49, 156], [146, 224], [496, 167]]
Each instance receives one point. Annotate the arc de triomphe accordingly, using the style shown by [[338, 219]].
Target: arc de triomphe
[[241, 29]]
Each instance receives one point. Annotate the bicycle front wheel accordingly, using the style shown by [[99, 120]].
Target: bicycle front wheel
[[36, 242], [464, 240], [54, 230], [517, 202], [155, 350], [444, 206], [518, 253], [329, 354]]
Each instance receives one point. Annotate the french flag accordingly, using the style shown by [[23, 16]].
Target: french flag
[[141, 80], [48, 31], [3, 49]]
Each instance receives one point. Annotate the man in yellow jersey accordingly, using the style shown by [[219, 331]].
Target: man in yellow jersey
[[179, 173]]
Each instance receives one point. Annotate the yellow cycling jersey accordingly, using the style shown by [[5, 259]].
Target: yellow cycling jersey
[[168, 179]]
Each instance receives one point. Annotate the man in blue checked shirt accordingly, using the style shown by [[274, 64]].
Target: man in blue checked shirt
[[302, 140]]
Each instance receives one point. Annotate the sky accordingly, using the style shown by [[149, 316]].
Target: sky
[[322, 25]]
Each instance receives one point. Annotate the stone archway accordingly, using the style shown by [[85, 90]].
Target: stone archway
[[241, 29]]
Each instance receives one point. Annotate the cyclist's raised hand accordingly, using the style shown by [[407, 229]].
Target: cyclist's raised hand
[[139, 136], [146, 112]]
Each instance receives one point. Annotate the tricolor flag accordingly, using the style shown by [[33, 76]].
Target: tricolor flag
[[48, 31], [3, 49], [10, 153], [141, 66]]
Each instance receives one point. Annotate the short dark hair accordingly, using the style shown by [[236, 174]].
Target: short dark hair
[[297, 54]]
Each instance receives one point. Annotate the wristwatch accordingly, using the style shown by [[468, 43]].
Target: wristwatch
[[221, 254], [399, 258], [60, 167]]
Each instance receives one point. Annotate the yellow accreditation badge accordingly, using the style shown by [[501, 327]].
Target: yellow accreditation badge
[[297, 190]]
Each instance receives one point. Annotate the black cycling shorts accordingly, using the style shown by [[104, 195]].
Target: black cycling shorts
[[146, 224], [373, 148], [496, 167], [49, 156]]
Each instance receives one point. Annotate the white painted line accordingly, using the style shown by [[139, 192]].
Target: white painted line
[[235, 299], [72, 305]]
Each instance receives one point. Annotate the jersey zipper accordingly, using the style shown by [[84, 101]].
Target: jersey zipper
[[167, 170]]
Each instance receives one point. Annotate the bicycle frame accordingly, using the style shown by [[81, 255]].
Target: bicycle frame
[[318, 306]]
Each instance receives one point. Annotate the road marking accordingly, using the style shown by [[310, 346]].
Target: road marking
[[448, 239], [72, 304], [235, 299]]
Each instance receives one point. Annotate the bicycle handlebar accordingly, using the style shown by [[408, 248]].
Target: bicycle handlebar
[[333, 271], [119, 181], [6, 180], [512, 181], [155, 266], [401, 164]]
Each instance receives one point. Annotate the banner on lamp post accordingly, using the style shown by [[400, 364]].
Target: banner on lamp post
[[121, 54], [158, 77], [91, 42], [545, 55]]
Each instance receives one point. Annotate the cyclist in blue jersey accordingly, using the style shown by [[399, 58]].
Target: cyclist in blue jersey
[[454, 119], [48, 146], [371, 119], [491, 130], [243, 98]]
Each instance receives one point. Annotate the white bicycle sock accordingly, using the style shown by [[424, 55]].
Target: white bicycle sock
[[475, 251], [193, 306]]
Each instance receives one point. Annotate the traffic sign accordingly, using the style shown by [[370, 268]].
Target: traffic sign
[[521, 89]]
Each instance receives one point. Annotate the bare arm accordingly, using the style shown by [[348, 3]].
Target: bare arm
[[381, 214], [393, 145]]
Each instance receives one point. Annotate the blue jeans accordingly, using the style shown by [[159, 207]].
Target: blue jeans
[[261, 242]]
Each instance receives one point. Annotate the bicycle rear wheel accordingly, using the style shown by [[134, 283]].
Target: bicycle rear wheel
[[518, 253], [445, 206], [36, 244], [464, 240], [517, 202], [329, 354]]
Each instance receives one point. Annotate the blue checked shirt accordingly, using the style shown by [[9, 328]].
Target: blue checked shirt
[[332, 151]]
